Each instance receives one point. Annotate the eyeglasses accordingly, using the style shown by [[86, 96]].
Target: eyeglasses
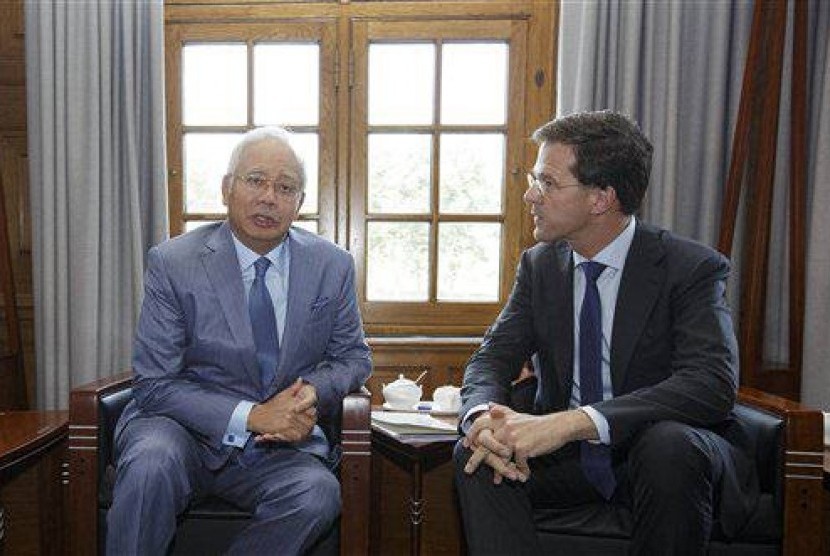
[[544, 186], [258, 183]]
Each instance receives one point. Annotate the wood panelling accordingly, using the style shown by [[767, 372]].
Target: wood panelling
[[14, 174], [441, 530], [442, 358], [11, 29], [11, 118]]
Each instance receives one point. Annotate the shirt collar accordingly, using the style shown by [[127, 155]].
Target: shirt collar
[[613, 255], [248, 257]]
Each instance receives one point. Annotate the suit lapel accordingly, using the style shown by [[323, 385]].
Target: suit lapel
[[222, 268], [560, 322], [640, 286], [302, 280]]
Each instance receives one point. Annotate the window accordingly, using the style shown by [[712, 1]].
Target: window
[[412, 118], [231, 78]]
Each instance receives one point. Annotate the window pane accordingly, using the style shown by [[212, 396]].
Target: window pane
[[472, 170], [310, 225], [215, 84], [399, 173], [397, 266], [193, 224], [286, 84], [206, 157], [306, 145], [468, 261], [401, 83], [474, 83]]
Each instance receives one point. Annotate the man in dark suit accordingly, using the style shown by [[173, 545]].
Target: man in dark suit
[[249, 332], [635, 356]]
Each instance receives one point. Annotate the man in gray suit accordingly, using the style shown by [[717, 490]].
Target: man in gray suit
[[249, 333], [632, 344]]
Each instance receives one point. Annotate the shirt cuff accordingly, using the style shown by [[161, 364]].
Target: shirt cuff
[[468, 419], [237, 432], [600, 422]]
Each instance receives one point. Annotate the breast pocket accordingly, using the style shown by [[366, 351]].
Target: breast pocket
[[318, 328]]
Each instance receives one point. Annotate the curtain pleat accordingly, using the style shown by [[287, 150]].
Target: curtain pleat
[[97, 181], [677, 68]]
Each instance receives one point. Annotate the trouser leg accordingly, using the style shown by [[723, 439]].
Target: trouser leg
[[498, 519], [157, 472], [294, 496], [673, 469]]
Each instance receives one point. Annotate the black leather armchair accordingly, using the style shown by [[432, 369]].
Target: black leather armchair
[[208, 526], [787, 520]]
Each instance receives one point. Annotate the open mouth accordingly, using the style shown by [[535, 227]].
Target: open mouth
[[264, 221]]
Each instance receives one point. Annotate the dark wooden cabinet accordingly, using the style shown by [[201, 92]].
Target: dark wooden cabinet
[[32, 457]]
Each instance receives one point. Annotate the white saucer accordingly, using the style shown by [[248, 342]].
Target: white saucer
[[420, 407], [437, 413], [388, 407]]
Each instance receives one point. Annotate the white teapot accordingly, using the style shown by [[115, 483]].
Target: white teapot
[[402, 393]]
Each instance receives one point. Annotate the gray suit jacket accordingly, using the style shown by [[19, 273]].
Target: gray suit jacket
[[194, 357], [673, 351]]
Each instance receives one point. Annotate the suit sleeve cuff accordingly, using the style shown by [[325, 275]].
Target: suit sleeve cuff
[[237, 432], [600, 422], [471, 415]]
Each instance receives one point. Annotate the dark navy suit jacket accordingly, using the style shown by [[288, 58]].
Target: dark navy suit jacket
[[674, 355]]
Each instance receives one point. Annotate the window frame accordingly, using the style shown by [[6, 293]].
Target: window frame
[[431, 312], [341, 207], [177, 37]]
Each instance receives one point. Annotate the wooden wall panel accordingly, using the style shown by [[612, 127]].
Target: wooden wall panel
[[14, 173], [442, 358]]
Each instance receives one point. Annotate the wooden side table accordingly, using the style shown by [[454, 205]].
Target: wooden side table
[[32, 454], [416, 455]]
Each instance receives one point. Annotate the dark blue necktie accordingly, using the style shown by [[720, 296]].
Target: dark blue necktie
[[595, 458], [264, 324]]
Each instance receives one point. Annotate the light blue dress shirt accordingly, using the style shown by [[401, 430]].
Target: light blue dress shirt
[[613, 257], [276, 280]]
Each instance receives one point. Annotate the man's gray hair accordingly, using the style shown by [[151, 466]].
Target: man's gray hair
[[267, 133]]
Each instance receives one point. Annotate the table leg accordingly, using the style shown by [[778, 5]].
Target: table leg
[[416, 511]]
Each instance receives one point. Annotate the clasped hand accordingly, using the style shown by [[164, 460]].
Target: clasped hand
[[288, 416], [505, 439]]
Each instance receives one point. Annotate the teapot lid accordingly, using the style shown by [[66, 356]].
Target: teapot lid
[[402, 381]]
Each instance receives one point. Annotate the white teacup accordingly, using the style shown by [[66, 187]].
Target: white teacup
[[446, 398]]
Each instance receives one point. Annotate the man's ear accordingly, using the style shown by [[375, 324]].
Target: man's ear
[[227, 183], [605, 200]]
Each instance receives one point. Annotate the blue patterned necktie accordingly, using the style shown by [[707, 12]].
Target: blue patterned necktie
[[264, 324], [595, 458]]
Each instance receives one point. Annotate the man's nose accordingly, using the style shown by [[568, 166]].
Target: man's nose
[[269, 194]]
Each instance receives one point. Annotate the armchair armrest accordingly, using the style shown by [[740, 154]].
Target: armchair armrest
[[802, 469], [83, 480], [355, 473]]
